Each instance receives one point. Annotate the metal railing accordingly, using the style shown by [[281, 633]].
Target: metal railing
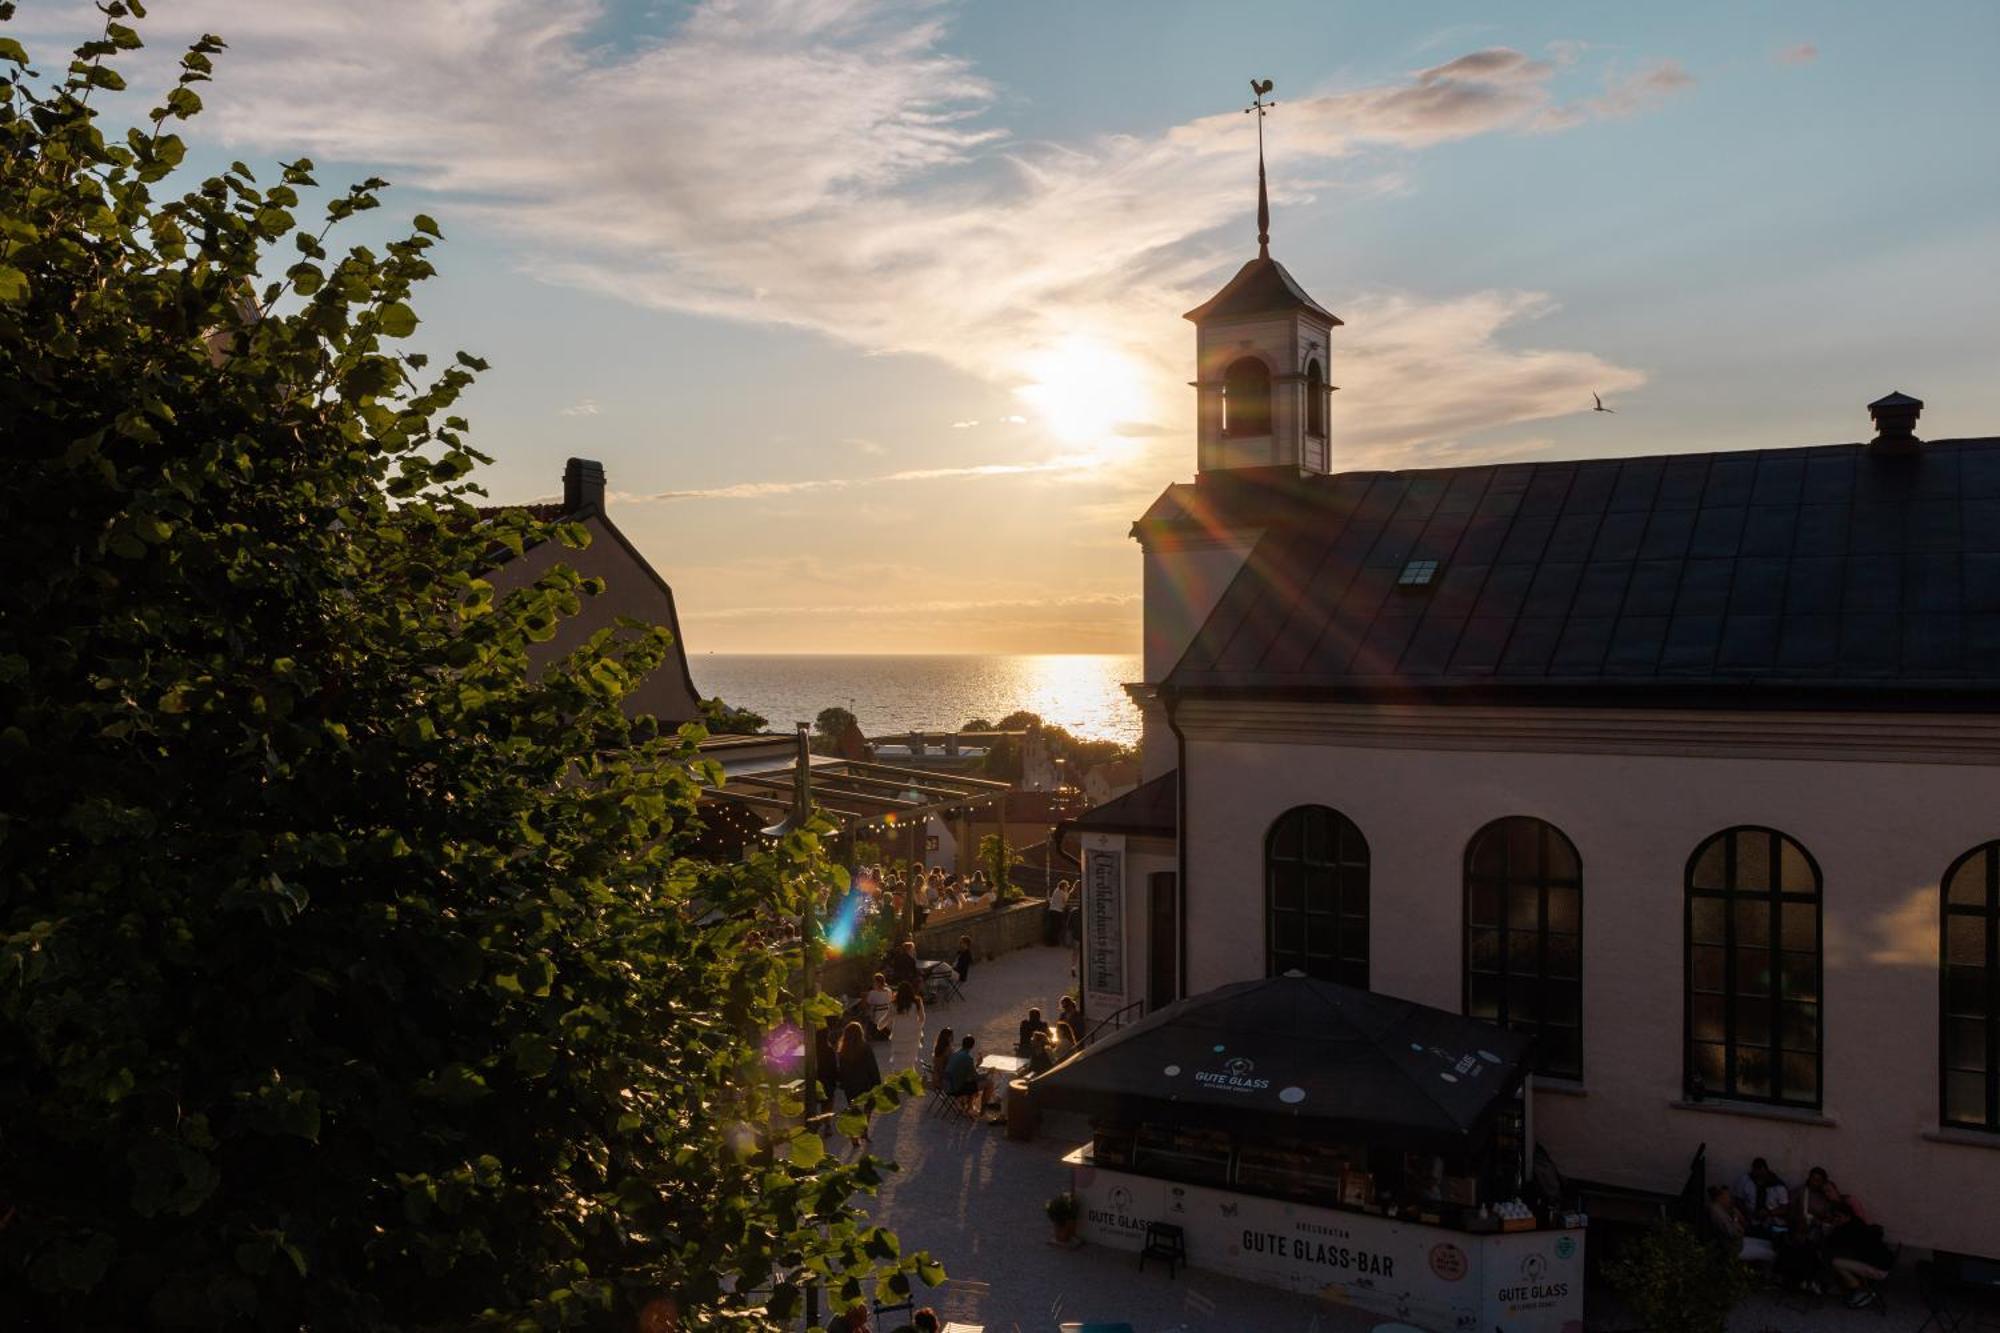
[[1113, 1021]]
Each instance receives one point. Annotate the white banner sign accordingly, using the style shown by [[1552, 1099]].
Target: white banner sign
[[1104, 927], [1432, 1277]]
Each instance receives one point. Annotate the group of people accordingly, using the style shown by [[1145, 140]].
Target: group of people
[[1046, 1045], [926, 891], [1809, 1236]]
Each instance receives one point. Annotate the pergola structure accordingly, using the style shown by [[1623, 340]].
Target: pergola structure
[[864, 799]]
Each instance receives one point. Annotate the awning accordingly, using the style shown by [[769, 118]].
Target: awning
[[860, 797], [1294, 1056]]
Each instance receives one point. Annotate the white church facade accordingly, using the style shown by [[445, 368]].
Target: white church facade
[[1688, 765]]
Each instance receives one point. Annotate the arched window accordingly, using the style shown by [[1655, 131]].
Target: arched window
[[1969, 1003], [1753, 969], [1315, 400], [1246, 398], [1524, 937], [1316, 896]]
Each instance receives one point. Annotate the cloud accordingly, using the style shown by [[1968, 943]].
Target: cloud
[[963, 425], [870, 195], [583, 407], [873, 448], [1802, 54], [757, 490]]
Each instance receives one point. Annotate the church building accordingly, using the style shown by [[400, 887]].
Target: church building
[[1687, 765]]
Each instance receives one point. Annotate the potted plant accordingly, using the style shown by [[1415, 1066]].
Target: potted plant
[[1063, 1211], [1679, 1281]]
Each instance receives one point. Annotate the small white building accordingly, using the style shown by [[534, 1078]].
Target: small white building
[[1684, 764]]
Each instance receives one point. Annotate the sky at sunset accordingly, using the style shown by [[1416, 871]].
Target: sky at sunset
[[872, 310]]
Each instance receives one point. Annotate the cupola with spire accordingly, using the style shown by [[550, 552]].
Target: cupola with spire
[[1261, 357]]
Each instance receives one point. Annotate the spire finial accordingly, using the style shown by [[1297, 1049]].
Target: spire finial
[[1259, 89]]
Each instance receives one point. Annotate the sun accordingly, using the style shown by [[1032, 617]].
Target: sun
[[1082, 389]]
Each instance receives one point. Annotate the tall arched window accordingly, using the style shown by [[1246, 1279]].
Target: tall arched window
[[1315, 400], [1316, 896], [1246, 398], [1753, 969], [1969, 1001], [1524, 937]]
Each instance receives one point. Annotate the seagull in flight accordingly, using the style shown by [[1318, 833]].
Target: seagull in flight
[[1601, 407]]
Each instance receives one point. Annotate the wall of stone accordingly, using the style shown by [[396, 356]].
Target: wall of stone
[[1016, 926]]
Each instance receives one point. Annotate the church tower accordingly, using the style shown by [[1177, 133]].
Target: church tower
[[1261, 361]]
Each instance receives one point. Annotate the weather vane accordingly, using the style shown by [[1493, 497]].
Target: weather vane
[[1259, 89]]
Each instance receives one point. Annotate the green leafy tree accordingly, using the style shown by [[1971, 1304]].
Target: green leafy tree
[[997, 857], [1677, 1281], [832, 728], [351, 972], [720, 719]]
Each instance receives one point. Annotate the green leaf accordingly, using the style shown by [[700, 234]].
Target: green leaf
[[13, 51], [427, 225], [807, 1149], [13, 285], [398, 320]]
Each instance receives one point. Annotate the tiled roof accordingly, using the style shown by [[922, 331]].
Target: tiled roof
[[1151, 808], [1260, 287], [1744, 578]]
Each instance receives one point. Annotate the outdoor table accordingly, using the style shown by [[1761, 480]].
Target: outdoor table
[[1007, 1066]]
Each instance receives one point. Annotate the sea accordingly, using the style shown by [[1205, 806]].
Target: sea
[[890, 693]]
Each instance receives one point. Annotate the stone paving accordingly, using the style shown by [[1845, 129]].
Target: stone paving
[[974, 1199]]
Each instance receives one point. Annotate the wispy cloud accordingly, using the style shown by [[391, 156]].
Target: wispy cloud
[[758, 490], [963, 425], [872, 196], [583, 407], [1802, 54]]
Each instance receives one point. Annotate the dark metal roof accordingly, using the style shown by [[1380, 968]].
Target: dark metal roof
[[1809, 576], [1148, 810], [1260, 287]]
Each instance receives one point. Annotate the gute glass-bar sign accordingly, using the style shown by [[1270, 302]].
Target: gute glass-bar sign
[[1104, 924]]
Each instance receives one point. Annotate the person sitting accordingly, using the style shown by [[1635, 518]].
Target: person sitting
[[876, 1005], [1849, 1243], [903, 964], [1067, 1012], [1764, 1199], [963, 963], [962, 1078], [1732, 1227], [926, 1321], [1063, 1045], [1040, 1061], [940, 1056], [1029, 1027]]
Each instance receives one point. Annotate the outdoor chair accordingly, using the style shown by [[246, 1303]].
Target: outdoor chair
[[1165, 1241]]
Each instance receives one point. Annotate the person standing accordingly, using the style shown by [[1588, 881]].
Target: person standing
[[1056, 915], [859, 1074]]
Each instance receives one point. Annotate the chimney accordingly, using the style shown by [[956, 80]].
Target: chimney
[[1895, 423], [583, 487]]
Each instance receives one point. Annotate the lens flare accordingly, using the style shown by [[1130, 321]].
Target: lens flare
[[845, 923], [785, 1050]]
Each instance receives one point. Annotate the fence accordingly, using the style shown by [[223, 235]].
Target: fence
[[993, 932]]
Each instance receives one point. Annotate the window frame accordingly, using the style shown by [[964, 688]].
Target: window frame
[[1543, 881], [1316, 400], [1776, 897], [1343, 971], [1229, 427], [1989, 915]]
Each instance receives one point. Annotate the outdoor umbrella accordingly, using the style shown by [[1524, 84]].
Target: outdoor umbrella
[[1280, 1054]]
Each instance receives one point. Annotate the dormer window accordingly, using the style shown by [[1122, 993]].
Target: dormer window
[[1315, 400], [1418, 574], [1246, 398]]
